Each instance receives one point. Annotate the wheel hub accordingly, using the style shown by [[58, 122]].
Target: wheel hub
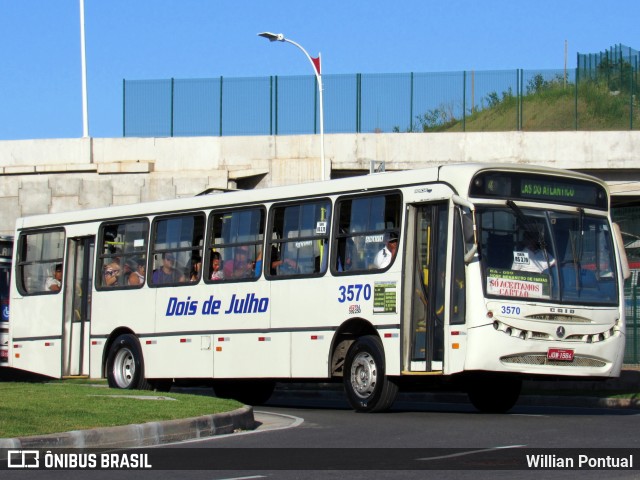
[[124, 368], [364, 375]]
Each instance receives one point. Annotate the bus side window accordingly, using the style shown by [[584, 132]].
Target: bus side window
[[122, 255], [39, 254], [177, 248], [234, 245], [366, 224], [300, 235]]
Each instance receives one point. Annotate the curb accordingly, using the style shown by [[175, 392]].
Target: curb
[[141, 435], [462, 398]]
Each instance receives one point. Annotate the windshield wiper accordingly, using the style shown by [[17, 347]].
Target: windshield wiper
[[577, 250], [528, 225]]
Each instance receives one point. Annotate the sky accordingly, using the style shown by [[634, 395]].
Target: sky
[[40, 54]]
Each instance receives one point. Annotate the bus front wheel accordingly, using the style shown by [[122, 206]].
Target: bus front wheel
[[366, 384], [125, 366]]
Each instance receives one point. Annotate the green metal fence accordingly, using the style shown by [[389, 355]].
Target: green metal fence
[[628, 218], [632, 304], [595, 96], [615, 65]]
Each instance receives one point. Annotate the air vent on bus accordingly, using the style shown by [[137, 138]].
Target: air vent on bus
[[541, 359], [559, 318]]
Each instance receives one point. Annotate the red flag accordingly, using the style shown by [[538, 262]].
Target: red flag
[[316, 63]]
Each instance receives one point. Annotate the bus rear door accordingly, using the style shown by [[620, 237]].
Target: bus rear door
[[77, 306]]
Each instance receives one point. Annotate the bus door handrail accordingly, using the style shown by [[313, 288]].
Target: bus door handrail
[[470, 254]]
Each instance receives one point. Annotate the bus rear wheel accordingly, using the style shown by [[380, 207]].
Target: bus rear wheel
[[125, 366], [366, 384]]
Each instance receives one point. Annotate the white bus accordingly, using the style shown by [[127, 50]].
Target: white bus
[[6, 254], [467, 276]]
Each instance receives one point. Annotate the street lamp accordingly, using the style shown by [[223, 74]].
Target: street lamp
[[279, 37], [83, 57]]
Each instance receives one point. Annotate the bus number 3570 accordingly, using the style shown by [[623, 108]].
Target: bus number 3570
[[354, 293]]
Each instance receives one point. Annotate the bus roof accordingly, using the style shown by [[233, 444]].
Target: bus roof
[[458, 175]]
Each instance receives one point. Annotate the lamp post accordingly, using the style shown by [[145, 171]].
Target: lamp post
[[83, 57], [279, 37]]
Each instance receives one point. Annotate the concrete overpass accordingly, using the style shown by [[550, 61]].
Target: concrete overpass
[[41, 176]]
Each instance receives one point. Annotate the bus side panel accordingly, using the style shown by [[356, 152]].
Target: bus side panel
[[308, 345], [219, 330], [96, 354], [455, 348], [117, 309], [36, 334], [306, 306], [391, 342], [321, 305], [252, 355], [178, 356]]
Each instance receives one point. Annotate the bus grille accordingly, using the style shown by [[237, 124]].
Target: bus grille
[[541, 359]]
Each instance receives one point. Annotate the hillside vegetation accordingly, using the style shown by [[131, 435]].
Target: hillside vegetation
[[546, 105]]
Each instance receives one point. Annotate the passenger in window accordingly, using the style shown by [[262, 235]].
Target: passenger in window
[[110, 275], [388, 252], [282, 266], [257, 268], [216, 267], [54, 283], [129, 267], [532, 258], [196, 268], [240, 266], [137, 267], [275, 260], [167, 273], [116, 255]]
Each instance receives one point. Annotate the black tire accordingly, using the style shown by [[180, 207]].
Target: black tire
[[250, 392], [125, 365], [494, 393], [366, 384]]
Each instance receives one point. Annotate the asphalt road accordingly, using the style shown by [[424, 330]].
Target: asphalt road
[[322, 438]]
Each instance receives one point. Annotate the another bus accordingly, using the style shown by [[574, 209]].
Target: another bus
[[6, 252], [498, 273]]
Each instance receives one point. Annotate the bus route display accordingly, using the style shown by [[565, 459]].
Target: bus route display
[[516, 186]]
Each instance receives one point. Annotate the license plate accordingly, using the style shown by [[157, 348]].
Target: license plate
[[560, 354]]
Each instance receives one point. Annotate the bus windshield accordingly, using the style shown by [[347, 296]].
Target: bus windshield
[[563, 257]]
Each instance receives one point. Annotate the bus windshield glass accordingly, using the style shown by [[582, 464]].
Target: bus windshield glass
[[562, 257]]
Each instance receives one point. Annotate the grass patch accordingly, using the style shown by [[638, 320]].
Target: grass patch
[[40, 408]]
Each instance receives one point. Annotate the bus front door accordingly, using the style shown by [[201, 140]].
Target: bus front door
[[424, 295], [77, 306]]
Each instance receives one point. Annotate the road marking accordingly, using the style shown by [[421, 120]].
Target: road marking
[[244, 478], [471, 452]]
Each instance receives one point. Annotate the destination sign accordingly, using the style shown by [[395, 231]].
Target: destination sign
[[514, 186]]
